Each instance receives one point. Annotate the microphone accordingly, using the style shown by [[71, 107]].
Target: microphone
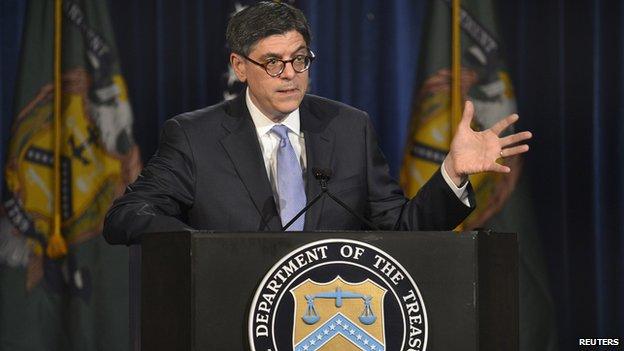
[[323, 176]]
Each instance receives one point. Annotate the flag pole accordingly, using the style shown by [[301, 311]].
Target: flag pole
[[455, 75], [455, 69], [57, 247]]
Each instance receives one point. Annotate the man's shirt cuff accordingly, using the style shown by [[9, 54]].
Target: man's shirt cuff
[[460, 192]]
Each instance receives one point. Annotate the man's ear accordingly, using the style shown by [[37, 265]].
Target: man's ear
[[238, 65]]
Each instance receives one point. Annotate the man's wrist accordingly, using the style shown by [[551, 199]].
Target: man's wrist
[[458, 179]]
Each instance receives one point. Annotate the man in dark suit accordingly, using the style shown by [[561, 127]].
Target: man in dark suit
[[247, 164]]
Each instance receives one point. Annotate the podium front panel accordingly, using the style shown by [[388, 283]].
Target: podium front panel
[[197, 287]]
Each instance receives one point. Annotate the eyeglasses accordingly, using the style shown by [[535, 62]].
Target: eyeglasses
[[274, 67]]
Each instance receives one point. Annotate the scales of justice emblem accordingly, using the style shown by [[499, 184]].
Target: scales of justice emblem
[[338, 315]]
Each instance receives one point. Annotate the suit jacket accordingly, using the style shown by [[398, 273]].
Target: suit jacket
[[208, 173]]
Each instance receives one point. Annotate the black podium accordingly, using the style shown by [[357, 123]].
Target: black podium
[[197, 287]]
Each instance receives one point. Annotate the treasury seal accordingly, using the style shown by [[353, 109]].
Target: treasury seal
[[337, 294]]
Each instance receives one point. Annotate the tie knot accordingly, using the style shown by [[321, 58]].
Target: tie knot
[[281, 131]]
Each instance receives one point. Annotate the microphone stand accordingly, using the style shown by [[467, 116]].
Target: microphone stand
[[323, 177]]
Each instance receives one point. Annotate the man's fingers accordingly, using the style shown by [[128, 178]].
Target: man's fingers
[[501, 125], [467, 115], [511, 151], [515, 138], [498, 168]]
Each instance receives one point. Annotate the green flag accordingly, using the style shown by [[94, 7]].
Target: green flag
[[80, 300], [503, 200]]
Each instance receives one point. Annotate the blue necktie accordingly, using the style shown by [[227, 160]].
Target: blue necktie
[[290, 189]]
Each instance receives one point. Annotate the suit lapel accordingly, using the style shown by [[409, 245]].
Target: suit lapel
[[319, 142], [243, 148]]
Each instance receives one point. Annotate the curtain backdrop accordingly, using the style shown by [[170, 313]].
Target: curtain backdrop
[[566, 62], [566, 59]]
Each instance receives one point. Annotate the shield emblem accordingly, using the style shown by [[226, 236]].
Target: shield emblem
[[338, 315]]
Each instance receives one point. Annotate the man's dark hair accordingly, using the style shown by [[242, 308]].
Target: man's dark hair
[[262, 20]]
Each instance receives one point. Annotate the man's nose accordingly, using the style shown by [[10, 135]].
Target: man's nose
[[289, 72]]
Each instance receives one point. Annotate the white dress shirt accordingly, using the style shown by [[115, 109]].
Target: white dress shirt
[[270, 141]]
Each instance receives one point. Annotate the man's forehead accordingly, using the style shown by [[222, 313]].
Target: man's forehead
[[279, 44]]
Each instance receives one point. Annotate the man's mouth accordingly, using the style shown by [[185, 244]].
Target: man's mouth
[[288, 91]]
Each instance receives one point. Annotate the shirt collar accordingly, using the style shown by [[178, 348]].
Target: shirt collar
[[264, 124]]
